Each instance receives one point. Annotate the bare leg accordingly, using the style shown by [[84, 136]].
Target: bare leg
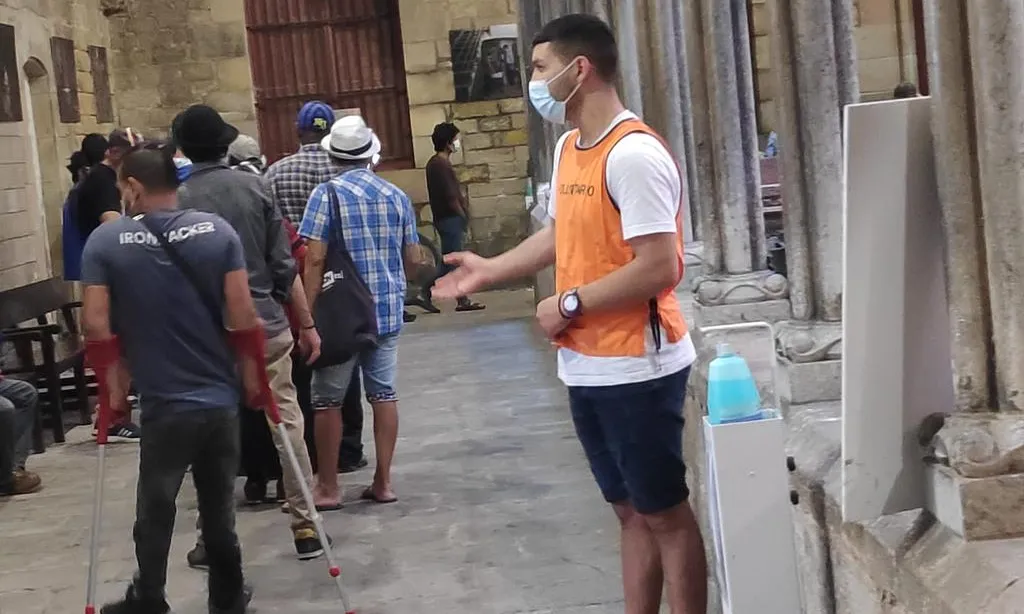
[[385, 436], [682, 556], [328, 442], [642, 577]]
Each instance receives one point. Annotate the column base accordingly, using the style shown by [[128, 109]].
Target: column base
[[761, 296], [809, 366]]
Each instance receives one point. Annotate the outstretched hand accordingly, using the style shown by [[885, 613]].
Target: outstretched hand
[[471, 273]]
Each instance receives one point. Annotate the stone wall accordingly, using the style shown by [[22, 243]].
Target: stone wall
[[880, 43], [493, 163], [34, 151], [175, 53]]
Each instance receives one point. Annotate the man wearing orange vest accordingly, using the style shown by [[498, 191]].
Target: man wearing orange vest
[[624, 350]]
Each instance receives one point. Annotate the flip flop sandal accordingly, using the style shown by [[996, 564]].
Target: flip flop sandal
[[369, 495], [471, 307], [329, 508]]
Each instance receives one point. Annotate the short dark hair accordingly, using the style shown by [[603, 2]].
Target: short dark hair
[[444, 134], [579, 34], [94, 148], [204, 153], [152, 165]]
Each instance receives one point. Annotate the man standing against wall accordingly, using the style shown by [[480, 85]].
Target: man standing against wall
[[448, 205], [624, 350], [292, 180], [242, 200]]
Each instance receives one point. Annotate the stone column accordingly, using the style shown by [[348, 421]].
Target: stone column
[[975, 59], [815, 70], [736, 285]]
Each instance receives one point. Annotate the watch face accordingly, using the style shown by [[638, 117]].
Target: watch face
[[571, 303]]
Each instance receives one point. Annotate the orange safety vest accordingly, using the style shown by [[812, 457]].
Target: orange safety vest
[[589, 245]]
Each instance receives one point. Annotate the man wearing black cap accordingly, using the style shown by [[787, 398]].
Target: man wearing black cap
[[98, 200], [243, 200]]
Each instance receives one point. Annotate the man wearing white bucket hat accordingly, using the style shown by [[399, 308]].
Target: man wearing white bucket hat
[[375, 222]]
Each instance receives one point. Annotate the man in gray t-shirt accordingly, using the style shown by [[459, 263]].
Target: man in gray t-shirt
[[169, 330], [154, 306]]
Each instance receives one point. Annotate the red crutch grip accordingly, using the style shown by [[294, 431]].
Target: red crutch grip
[[103, 357], [251, 344]]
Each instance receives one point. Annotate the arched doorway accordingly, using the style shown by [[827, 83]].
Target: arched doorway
[[51, 168]]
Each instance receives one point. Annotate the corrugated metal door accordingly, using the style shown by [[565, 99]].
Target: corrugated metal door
[[347, 53]]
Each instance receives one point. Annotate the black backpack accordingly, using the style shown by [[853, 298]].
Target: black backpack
[[344, 312]]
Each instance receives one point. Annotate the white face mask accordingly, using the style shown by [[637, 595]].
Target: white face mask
[[542, 99], [456, 146]]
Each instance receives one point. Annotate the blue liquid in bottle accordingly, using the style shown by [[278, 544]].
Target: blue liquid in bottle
[[732, 393]]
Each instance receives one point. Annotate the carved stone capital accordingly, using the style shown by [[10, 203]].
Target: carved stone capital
[[715, 290], [803, 342], [977, 445]]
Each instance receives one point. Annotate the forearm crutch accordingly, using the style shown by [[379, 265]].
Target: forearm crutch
[[252, 344], [102, 357]]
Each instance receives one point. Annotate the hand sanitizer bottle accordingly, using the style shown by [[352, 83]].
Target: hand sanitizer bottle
[[732, 393]]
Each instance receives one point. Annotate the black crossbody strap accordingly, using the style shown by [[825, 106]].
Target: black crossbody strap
[[190, 274]]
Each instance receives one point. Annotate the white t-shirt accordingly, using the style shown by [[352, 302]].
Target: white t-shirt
[[644, 182]]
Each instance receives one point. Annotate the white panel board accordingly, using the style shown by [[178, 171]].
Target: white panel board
[[751, 518], [896, 336]]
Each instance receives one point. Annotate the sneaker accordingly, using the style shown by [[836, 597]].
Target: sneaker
[[133, 605], [121, 433], [307, 545], [240, 606], [196, 558], [22, 483]]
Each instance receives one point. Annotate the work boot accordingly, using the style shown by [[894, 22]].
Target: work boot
[[22, 483], [134, 605]]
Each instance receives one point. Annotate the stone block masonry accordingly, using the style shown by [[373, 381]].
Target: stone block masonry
[[35, 150], [493, 162]]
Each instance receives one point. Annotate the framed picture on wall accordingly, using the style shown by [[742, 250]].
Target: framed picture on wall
[[486, 63], [10, 84]]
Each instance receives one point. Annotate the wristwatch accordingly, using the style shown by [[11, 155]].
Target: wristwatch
[[569, 304]]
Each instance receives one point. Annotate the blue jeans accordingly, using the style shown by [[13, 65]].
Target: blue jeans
[[18, 402], [633, 438], [380, 370]]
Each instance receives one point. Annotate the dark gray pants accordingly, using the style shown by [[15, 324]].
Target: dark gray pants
[[206, 441], [18, 402]]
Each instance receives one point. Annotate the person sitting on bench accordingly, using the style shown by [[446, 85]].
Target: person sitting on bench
[[18, 402]]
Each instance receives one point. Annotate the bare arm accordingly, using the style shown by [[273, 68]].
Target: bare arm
[[300, 304], [109, 216], [240, 310], [96, 313], [313, 276], [655, 268]]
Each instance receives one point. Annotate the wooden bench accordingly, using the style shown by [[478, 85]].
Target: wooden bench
[[41, 342]]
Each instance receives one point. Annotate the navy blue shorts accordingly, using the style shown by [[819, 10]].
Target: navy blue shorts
[[633, 437]]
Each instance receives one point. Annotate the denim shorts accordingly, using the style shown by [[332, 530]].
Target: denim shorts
[[380, 370], [632, 435]]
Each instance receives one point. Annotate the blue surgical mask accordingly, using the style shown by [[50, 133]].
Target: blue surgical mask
[[541, 98]]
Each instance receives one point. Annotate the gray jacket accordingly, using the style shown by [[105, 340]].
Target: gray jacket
[[244, 201]]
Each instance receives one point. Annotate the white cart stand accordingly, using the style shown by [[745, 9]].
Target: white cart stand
[[749, 511]]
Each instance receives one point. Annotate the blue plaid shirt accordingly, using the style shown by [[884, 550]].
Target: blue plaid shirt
[[378, 221]]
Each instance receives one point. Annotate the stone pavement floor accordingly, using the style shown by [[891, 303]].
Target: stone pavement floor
[[498, 511]]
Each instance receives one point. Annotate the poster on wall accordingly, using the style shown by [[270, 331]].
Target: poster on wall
[[486, 63], [10, 87]]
